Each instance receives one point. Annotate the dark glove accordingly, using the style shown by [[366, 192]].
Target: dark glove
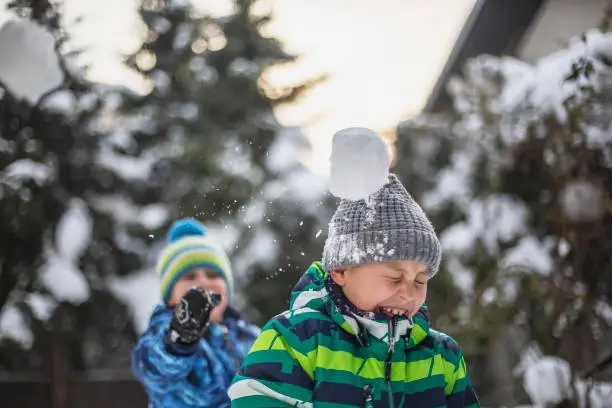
[[191, 316]]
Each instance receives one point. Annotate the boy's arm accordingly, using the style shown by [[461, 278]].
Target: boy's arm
[[165, 353], [158, 363], [274, 373], [459, 390]]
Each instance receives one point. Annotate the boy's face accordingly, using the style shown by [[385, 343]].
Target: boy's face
[[208, 280], [397, 287]]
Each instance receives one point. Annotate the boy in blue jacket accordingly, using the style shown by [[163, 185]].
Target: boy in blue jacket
[[195, 342]]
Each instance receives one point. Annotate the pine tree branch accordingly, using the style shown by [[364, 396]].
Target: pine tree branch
[[598, 367], [8, 281]]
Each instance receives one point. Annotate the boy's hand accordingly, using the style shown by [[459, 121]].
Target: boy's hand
[[191, 316]]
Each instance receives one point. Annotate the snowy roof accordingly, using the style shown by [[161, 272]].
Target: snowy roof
[[494, 27]]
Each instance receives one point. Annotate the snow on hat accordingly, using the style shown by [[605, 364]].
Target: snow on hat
[[188, 248], [385, 225]]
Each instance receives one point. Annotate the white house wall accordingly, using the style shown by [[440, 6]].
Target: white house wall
[[558, 21]]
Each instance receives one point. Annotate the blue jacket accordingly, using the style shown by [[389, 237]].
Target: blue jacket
[[194, 377]]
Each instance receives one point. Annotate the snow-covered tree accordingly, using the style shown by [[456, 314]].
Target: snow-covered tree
[[523, 206], [59, 250], [217, 152], [90, 177]]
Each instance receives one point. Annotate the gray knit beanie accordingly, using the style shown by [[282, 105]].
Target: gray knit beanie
[[387, 226]]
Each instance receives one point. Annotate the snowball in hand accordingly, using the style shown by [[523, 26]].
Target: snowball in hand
[[360, 162]]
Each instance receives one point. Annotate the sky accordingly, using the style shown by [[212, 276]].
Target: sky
[[382, 60]]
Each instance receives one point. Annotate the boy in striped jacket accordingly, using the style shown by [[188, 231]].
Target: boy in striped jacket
[[357, 332]]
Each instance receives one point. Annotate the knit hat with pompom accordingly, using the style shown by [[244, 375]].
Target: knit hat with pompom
[[189, 247]]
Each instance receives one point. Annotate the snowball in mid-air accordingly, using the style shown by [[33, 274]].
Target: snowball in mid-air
[[360, 162], [29, 65]]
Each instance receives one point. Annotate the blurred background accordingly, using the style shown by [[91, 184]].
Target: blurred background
[[118, 116]]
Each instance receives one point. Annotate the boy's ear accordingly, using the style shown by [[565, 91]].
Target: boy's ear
[[338, 276]]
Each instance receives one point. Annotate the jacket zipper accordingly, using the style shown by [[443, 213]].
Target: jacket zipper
[[392, 329], [368, 395]]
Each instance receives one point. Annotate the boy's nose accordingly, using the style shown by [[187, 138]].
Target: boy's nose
[[208, 284], [406, 291], [203, 282]]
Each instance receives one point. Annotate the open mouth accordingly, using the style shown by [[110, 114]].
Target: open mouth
[[393, 311]]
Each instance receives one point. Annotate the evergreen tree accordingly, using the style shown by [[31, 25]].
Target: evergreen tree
[[523, 206], [59, 250], [208, 123]]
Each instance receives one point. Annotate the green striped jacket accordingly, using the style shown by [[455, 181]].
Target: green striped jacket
[[323, 352]]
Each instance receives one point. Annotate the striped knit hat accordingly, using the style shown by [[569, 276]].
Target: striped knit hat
[[188, 248]]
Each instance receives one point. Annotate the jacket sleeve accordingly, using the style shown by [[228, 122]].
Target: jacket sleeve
[[459, 390], [160, 366], [277, 372]]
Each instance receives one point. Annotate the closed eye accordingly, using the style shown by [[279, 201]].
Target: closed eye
[[211, 274]]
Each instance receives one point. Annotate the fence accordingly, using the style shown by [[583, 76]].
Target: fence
[[63, 388], [76, 391]]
